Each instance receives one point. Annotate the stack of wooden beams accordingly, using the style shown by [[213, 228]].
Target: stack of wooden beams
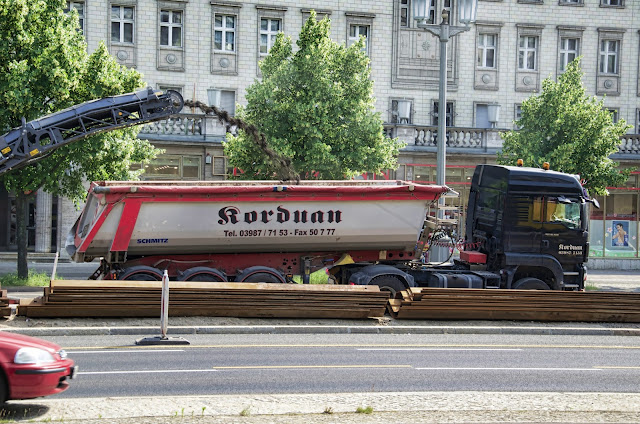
[[522, 305], [69, 298], [5, 309]]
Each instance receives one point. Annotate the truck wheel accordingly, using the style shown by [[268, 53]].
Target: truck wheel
[[530, 283], [141, 273], [388, 283], [260, 274], [203, 273]]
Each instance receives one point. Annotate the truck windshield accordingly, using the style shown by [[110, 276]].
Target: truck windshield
[[563, 211]]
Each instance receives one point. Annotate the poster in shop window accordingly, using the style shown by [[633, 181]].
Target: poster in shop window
[[620, 234]]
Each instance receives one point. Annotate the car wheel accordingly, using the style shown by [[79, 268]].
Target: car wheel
[[4, 390]]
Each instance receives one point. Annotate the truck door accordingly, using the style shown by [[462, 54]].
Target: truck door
[[523, 224], [563, 232]]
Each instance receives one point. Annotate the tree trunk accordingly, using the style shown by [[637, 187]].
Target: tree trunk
[[22, 203]]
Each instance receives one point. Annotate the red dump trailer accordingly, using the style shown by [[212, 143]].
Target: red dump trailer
[[246, 231]]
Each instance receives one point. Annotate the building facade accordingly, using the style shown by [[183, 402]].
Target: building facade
[[210, 50]]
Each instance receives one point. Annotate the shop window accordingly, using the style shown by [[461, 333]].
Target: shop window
[[173, 168]]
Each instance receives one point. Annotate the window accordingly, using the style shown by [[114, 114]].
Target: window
[[450, 115], [517, 115], [223, 99], [614, 115], [487, 44], [570, 1], [171, 28], [609, 50], [569, 50], [404, 13], [269, 29], [79, 7], [122, 24], [164, 88], [224, 33], [355, 31], [611, 2], [401, 111], [527, 52], [173, 167]]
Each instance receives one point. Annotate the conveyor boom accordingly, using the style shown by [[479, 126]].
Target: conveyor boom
[[36, 139]]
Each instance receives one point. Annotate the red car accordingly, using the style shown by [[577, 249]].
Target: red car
[[31, 367]]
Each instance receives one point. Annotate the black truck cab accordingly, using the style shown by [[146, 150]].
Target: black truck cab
[[531, 225]]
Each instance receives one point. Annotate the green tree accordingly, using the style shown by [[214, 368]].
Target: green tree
[[315, 107], [45, 67], [570, 130]]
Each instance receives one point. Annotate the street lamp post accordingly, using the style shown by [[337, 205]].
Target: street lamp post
[[467, 14]]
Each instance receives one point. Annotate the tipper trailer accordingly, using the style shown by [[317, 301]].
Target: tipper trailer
[[525, 228]]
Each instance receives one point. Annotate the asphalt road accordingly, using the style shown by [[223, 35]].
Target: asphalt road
[[264, 364]]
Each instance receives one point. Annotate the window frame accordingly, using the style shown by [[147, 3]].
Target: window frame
[[450, 113], [395, 119], [81, 17], [484, 49], [523, 52], [565, 52], [353, 39], [224, 30], [606, 54], [269, 33], [121, 24], [170, 25]]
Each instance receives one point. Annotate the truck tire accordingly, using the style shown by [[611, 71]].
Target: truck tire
[[388, 283], [530, 283], [141, 273], [260, 274], [203, 273]]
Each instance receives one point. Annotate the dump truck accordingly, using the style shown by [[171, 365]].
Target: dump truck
[[525, 229]]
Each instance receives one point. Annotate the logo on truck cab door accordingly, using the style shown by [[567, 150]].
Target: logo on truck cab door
[[233, 215]]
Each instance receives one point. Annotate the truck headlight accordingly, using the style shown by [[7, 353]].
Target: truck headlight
[[32, 355]]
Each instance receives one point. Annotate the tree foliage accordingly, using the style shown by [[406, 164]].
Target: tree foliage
[[316, 107], [45, 67], [570, 130]]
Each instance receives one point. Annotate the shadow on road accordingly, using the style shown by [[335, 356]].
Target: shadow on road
[[22, 412]]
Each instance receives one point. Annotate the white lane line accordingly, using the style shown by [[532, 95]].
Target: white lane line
[[123, 351], [143, 372], [504, 369], [435, 348]]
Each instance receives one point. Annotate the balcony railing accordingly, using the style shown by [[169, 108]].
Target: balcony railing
[[199, 127], [196, 127], [630, 144], [476, 139]]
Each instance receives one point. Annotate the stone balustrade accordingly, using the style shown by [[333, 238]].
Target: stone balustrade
[[206, 127]]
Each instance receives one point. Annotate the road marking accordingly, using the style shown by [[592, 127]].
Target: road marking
[[142, 372], [363, 345], [255, 367], [437, 348], [125, 351], [503, 369], [614, 367]]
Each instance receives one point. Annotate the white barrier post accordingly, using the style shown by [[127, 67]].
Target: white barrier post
[[164, 320], [164, 309]]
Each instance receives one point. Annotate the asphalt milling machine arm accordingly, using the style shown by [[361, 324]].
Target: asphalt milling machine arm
[[34, 140]]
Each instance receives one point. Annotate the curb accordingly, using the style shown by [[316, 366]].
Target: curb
[[319, 329]]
